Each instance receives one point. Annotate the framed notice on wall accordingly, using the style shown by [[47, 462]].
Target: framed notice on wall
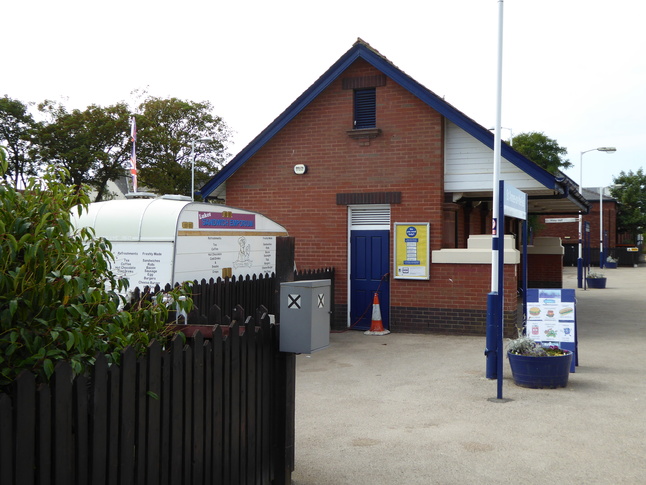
[[412, 249]]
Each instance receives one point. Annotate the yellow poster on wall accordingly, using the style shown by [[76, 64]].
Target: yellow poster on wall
[[411, 249]]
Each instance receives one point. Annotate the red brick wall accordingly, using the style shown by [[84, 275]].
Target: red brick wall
[[407, 157], [456, 301], [545, 271]]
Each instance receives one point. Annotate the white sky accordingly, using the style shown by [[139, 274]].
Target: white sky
[[573, 69]]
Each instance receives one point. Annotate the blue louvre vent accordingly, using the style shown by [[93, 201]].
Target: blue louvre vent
[[365, 101]]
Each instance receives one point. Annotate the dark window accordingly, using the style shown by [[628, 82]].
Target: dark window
[[365, 102]]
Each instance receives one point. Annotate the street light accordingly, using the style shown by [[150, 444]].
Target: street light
[[602, 259], [511, 135], [201, 140], [580, 260]]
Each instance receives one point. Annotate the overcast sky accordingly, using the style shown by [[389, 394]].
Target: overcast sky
[[573, 69]]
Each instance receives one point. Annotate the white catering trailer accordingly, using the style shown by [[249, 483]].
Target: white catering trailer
[[169, 239]]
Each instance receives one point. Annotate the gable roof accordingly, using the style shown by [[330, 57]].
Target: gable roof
[[562, 185]]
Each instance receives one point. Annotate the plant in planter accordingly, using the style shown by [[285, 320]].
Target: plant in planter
[[536, 366], [596, 280], [611, 262]]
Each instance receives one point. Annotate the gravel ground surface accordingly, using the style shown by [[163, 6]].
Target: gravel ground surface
[[417, 409]]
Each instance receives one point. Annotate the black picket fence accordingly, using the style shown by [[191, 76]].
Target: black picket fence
[[248, 292], [218, 410]]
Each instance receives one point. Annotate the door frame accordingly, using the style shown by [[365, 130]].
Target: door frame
[[379, 226]]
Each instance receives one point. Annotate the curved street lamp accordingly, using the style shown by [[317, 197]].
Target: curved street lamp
[[580, 259], [602, 260]]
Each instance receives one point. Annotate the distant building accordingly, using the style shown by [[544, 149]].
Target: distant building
[[556, 225]]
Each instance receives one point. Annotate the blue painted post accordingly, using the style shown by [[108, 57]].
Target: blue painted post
[[491, 342], [501, 287], [525, 275]]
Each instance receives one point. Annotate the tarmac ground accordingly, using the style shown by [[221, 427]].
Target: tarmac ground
[[418, 409]]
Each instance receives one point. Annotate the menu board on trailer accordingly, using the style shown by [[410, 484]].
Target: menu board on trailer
[[205, 256], [143, 264]]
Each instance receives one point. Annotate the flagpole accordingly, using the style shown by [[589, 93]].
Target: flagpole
[[133, 156], [495, 298]]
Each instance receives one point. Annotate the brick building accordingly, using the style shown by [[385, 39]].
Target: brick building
[[564, 227], [377, 176]]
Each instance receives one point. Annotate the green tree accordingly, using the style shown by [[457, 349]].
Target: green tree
[[16, 129], [92, 145], [542, 150], [167, 130], [630, 193], [59, 299]]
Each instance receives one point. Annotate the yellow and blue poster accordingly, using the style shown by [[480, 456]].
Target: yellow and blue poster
[[412, 249]]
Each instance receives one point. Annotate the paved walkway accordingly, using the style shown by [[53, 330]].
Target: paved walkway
[[417, 409]]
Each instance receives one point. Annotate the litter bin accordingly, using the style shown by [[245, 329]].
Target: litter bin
[[627, 255]]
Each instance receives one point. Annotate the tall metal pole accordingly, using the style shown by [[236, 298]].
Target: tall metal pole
[[601, 258], [495, 230], [193, 170], [495, 305], [579, 261]]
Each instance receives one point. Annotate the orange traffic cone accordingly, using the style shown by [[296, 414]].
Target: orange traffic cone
[[376, 328]]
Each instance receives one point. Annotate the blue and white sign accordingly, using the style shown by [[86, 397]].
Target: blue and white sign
[[515, 202]]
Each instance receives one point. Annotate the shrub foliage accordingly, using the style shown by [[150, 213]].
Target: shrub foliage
[[59, 299]]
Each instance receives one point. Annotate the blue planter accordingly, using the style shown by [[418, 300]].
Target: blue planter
[[596, 282], [610, 265], [540, 372]]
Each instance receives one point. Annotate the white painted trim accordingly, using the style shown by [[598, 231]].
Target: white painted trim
[[477, 252]]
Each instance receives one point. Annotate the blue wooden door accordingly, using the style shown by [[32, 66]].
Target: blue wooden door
[[369, 268]]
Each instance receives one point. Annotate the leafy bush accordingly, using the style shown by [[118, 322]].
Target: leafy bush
[[59, 299]]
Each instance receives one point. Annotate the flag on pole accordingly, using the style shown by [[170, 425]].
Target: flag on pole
[[133, 157]]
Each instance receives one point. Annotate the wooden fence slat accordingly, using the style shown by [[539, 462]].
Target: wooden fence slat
[[177, 410], [112, 434], [63, 443], [208, 411], [141, 426], [187, 424], [218, 426], [6, 439], [197, 442], [81, 428], [165, 425], [234, 452], [226, 409], [26, 423], [153, 414], [44, 426], [128, 416], [265, 377], [250, 340], [262, 319], [243, 404], [99, 420]]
